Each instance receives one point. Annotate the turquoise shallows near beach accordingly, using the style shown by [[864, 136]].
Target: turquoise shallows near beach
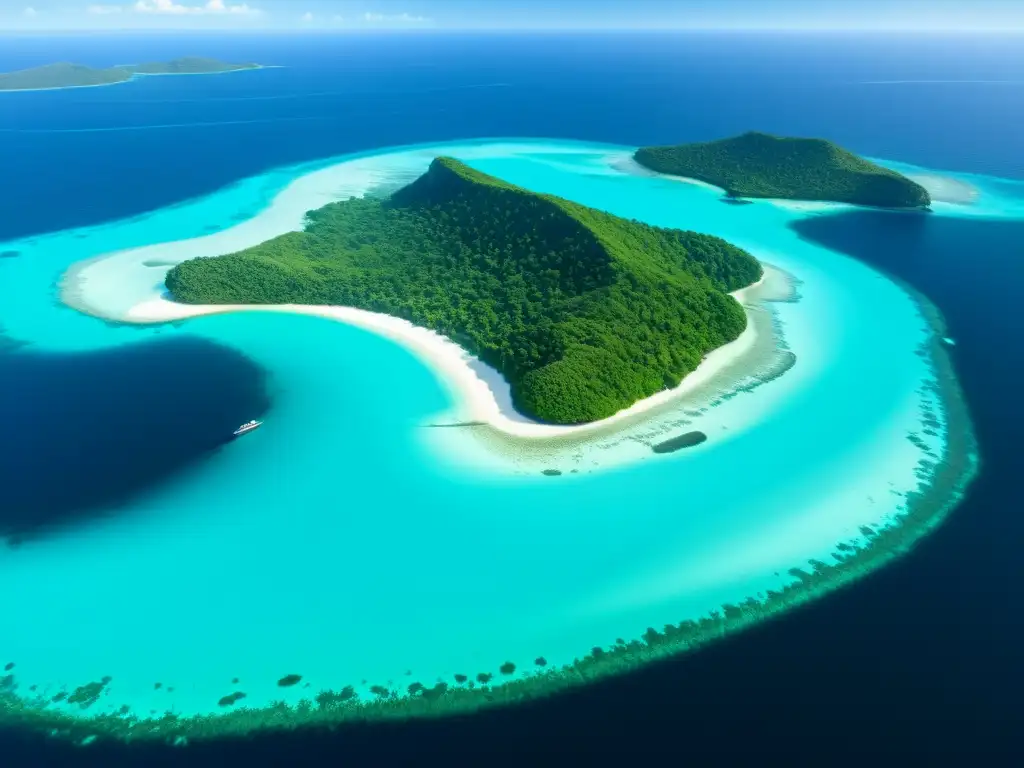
[[350, 543]]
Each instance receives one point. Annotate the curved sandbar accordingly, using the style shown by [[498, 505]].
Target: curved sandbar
[[482, 398], [482, 391]]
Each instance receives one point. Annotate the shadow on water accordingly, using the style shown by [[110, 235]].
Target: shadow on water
[[84, 433]]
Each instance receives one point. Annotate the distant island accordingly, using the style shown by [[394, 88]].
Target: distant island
[[64, 75], [584, 313], [761, 165]]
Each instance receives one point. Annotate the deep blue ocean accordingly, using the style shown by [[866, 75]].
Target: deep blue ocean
[[921, 658]]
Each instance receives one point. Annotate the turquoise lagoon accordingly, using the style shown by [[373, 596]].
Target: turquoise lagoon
[[347, 543]]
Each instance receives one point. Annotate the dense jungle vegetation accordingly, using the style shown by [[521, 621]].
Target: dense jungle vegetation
[[583, 312], [760, 165]]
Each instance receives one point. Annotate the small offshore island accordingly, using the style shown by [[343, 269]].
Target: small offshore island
[[583, 312], [66, 75], [765, 166]]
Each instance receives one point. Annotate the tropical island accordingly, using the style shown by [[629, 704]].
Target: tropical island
[[583, 312], [761, 165], [65, 75]]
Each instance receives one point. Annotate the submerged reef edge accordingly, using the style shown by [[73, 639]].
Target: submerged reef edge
[[942, 484]]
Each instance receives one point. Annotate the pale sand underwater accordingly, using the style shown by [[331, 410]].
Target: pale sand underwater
[[128, 287], [945, 189]]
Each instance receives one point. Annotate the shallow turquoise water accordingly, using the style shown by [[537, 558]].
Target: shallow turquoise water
[[342, 544]]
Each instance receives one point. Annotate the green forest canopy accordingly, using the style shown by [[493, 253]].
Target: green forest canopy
[[189, 65], [761, 165], [583, 312], [61, 75]]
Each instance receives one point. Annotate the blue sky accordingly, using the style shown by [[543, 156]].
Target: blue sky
[[363, 15]]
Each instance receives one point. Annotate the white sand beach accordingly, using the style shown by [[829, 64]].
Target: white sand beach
[[128, 286], [624, 163], [482, 394]]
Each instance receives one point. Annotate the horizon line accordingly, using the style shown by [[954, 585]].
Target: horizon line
[[514, 30]]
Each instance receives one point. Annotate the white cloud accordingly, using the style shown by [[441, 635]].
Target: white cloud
[[307, 17], [337, 18], [104, 10], [212, 7], [164, 6], [397, 18], [219, 6], [30, 12]]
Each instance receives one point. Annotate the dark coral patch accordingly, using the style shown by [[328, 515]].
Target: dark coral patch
[[686, 440], [436, 692], [289, 680], [231, 698], [87, 695], [326, 699]]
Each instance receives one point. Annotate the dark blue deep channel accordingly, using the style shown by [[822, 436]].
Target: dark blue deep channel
[[89, 432], [918, 662]]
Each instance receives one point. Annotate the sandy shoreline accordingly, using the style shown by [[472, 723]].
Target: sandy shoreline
[[128, 286], [627, 164], [481, 393]]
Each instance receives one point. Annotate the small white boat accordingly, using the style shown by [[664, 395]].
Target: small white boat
[[249, 426]]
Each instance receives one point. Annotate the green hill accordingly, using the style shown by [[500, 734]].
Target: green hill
[[190, 65], [760, 165], [64, 75], [583, 312]]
